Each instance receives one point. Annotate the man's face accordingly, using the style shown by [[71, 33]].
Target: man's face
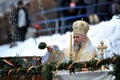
[[20, 6], [78, 39]]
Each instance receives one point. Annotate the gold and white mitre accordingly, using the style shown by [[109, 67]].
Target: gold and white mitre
[[80, 27]]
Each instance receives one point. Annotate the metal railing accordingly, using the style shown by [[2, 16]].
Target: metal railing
[[62, 19]]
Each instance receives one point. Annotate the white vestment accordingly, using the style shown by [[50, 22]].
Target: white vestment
[[86, 52], [55, 56]]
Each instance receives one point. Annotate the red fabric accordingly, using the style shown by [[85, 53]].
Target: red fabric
[[37, 26]]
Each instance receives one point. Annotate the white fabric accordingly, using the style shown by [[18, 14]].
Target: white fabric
[[55, 50], [88, 52], [86, 75], [21, 18], [45, 57]]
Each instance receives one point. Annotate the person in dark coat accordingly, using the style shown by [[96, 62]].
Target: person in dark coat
[[23, 21]]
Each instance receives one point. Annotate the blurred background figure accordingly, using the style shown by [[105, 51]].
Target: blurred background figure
[[92, 16], [63, 14], [116, 7], [71, 12], [104, 8], [13, 33], [77, 11], [23, 21]]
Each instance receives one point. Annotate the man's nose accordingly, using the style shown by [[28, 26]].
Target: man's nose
[[75, 38]]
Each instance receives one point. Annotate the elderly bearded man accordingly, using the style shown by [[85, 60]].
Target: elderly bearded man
[[82, 47]]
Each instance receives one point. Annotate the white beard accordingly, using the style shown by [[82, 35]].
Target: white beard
[[76, 47]]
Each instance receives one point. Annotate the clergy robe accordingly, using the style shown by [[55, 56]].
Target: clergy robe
[[86, 52]]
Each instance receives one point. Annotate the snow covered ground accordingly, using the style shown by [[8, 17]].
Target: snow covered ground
[[108, 31]]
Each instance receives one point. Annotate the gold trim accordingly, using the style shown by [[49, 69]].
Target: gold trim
[[70, 66], [94, 54], [59, 61], [10, 71], [113, 60], [17, 70], [80, 51], [98, 62], [8, 62], [30, 68], [60, 58], [52, 55]]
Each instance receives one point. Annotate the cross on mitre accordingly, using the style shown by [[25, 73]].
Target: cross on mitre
[[101, 47], [82, 22]]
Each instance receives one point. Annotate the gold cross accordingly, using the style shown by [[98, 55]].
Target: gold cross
[[102, 47]]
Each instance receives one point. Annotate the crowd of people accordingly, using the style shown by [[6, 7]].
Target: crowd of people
[[19, 22], [101, 8], [89, 8]]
